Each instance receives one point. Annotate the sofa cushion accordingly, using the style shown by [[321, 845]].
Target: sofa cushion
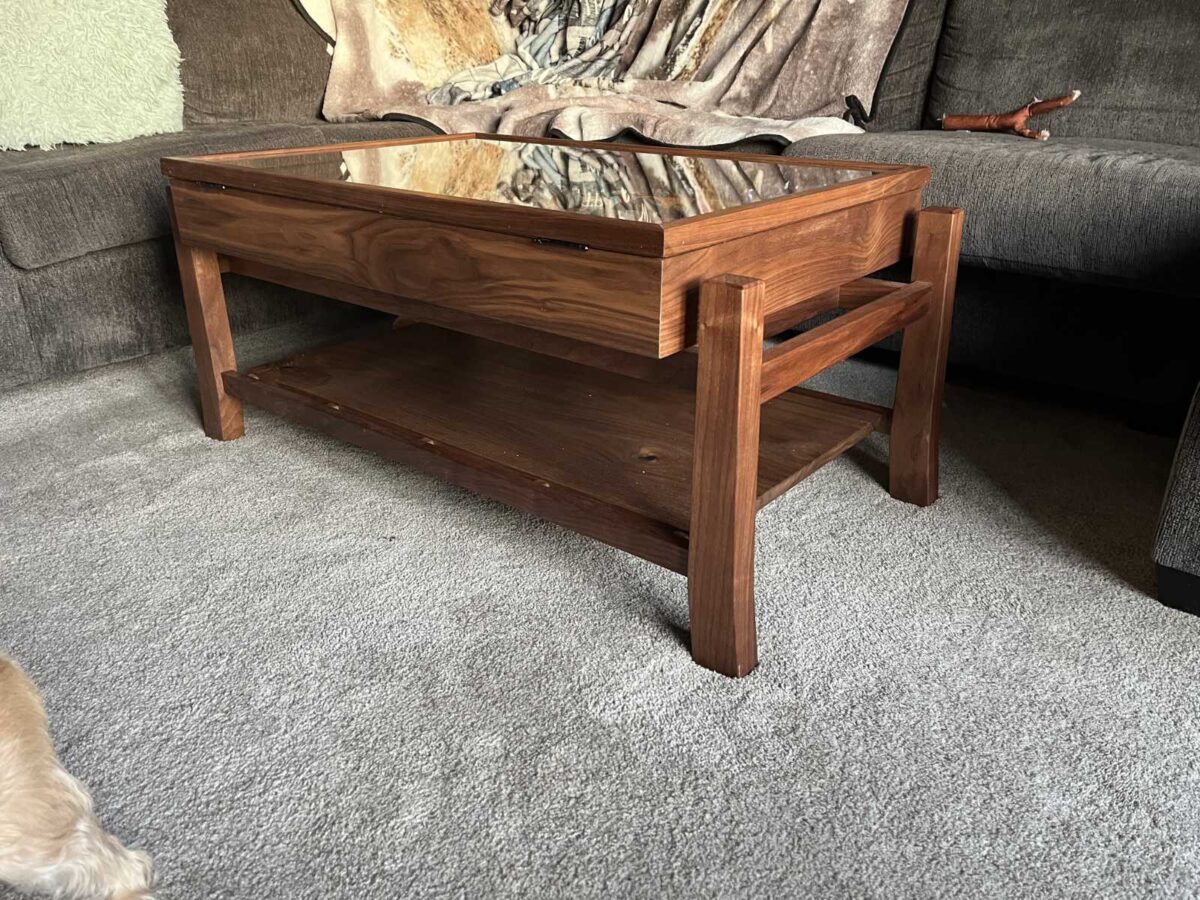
[[899, 103], [19, 360], [1136, 61], [125, 302], [248, 61], [64, 203], [1080, 208]]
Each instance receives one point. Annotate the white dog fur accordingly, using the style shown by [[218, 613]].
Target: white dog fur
[[50, 841]]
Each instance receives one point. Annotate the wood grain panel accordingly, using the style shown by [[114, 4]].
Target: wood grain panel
[[797, 262], [863, 291], [605, 298], [696, 232], [617, 439], [649, 539], [678, 369]]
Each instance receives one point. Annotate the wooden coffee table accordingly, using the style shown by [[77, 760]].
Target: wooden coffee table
[[580, 328]]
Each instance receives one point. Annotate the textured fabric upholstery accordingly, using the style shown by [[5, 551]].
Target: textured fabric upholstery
[[121, 303], [58, 205], [1178, 542], [1079, 208], [1136, 61], [87, 274], [18, 356], [248, 60], [63, 203], [899, 103]]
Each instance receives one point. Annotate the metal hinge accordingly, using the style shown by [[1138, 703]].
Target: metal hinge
[[570, 245]]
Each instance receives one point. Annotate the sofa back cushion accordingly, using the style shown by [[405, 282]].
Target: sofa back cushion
[[904, 85], [248, 61], [1137, 63]]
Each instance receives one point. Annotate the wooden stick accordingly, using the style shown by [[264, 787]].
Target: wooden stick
[[1015, 122]]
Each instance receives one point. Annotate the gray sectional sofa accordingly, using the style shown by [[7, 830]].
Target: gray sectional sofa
[[1078, 254], [87, 273], [1077, 257]]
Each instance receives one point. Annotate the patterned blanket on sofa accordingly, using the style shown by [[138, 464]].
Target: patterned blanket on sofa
[[688, 72]]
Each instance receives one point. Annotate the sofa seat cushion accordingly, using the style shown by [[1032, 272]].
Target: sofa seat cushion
[[1105, 211], [60, 204]]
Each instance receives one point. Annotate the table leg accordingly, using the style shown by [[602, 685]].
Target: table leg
[[208, 322], [916, 419], [725, 476]]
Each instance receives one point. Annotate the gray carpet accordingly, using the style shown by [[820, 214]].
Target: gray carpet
[[289, 669]]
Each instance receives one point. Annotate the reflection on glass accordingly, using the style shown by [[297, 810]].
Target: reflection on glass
[[639, 187]]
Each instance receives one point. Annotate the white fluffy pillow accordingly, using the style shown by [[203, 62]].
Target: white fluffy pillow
[[78, 71]]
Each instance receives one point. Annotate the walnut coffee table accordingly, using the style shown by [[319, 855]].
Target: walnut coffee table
[[580, 328]]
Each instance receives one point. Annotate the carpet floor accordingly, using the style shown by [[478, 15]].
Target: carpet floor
[[288, 669]]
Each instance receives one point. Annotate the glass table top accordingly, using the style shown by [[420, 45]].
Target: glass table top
[[620, 184]]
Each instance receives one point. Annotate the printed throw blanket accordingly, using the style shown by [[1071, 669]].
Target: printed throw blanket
[[684, 72]]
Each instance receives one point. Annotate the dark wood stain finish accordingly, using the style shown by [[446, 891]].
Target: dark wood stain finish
[[800, 358], [637, 238], [725, 476], [916, 421], [624, 441], [623, 391], [212, 342], [606, 298]]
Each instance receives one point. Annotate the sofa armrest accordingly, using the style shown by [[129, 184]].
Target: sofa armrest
[[1177, 546], [19, 358]]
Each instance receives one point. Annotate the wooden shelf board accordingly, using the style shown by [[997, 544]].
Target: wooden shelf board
[[591, 435]]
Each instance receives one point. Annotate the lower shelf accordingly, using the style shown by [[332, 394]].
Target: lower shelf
[[605, 454]]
